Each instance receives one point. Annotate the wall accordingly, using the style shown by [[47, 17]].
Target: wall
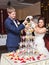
[[30, 10], [21, 14]]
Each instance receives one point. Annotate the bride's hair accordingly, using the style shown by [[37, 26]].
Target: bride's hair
[[42, 18]]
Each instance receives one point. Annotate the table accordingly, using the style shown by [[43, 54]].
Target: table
[[7, 61]]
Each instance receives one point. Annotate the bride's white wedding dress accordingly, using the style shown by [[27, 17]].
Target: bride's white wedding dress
[[40, 44]]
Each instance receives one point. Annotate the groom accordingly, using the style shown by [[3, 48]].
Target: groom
[[13, 30]]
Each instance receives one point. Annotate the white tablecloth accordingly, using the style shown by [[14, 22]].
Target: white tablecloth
[[7, 61]]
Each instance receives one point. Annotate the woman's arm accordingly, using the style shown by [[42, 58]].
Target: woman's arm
[[40, 30]]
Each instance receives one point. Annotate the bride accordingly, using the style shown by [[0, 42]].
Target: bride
[[40, 31]]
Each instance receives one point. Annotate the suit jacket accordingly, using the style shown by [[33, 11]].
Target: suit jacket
[[13, 33]]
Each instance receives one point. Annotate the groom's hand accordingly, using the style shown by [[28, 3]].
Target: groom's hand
[[25, 22]]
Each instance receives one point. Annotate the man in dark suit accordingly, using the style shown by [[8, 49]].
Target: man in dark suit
[[13, 30]]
